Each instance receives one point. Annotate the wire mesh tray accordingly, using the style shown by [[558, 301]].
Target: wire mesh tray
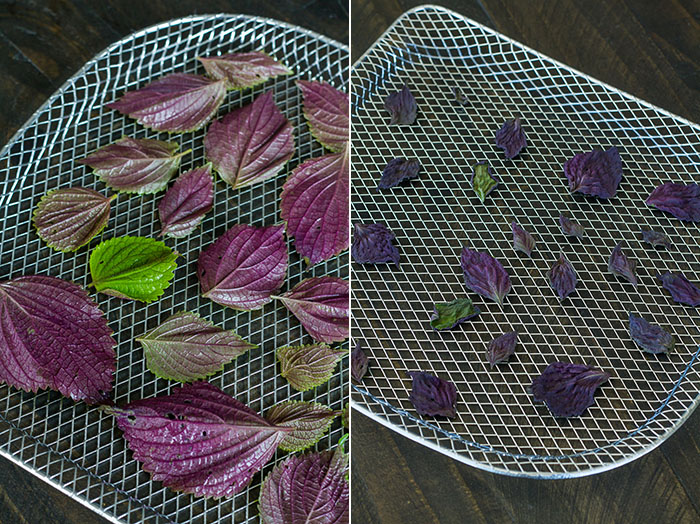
[[75, 447], [498, 427]]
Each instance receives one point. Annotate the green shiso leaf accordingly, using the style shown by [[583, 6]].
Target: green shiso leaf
[[447, 315]]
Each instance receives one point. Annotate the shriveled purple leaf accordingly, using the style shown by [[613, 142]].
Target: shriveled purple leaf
[[522, 240], [402, 106], [485, 275], [620, 265], [54, 336], [371, 244], [308, 420], [650, 337], [198, 439], [682, 290], [186, 347], [315, 203], [511, 138], [596, 173], [177, 103], [250, 144], [307, 489], [398, 170], [501, 348], [244, 266], [328, 111], [562, 277], [482, 180], [243, 70], [567, 388], [184, 205], [359, 362], [67, 219], [656, 239], [681, 200], [322, 305], [571, 228], [433, 396], [450, 314], [307, 367]]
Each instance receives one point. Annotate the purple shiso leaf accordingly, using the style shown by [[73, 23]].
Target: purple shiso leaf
[[562, 277], [485, 275], [398, 170], [359, 362], [656, 239], [433, 396], [371, 244], [482, 180], [596, 173], [322, 305], [186, 348], [566, 388], [244, 266], [622, 266], [571, 228], [522, 240], [315, 203], [184, 205], [309, 366], [402, 106], [198, 439], [306, 489], [328, 111], [67, 219], [243, 70], [308, 420], [681, 289], [650, 337], [447, 315], [501, 348], [511, 138], [177, 103], [135, 165], [250, 144], [681, 200], [54, 336]]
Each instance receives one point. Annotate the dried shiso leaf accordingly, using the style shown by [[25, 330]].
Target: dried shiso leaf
[[622, 266], [596, 173], [447, 315], [485, 275], [359, 362], [656, 239], [650, 337], [681, 200], [501, 348], [571, 228], [562, 277], [511, 138], [483, 181], [371, 244], [398, 170], [401, 106], [567, 388], [522, 240], [459, 97], [433, 396], [681, 289]]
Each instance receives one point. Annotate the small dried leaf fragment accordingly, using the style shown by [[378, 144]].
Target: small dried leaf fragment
[[307, 367], [567, 388], [682, 290], [243, 70], [402, 106], [656, 239], [308, 421], [483, 181], [522, 239], [433, 396], [650, 337], [622, 266], [447, 315], [571, 228], [359, 362], [485, 275], [596, 173], [327, 110], [511, 138], [372, 244], [184, 205], [562, 277], [681, 200], [398, 170], [501, 348]]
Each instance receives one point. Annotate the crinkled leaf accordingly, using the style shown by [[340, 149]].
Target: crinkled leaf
[[67, 219], [307, 489], [566, 388], [309, 422], [398, 170], [447, 315], [402, 106], [186, 347], [243, 70], [681, 200], [433, 396], [328, 111], [596, 173], [562, 277], [177, 103], [571, 228], [485, 275], [315, 203], [522, 240], [650, 337], [359, 363], [132, 267], [371, 244], [54, 336], [656, 239], [682, 290], [620, 265], [482, 180], [322, 305], [501, 348], [184, 205], [198, 439], [459, 96], [307, 367], [511, 138], [244, 266], [250, 144]]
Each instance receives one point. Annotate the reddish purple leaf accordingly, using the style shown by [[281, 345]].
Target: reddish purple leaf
[[570, 228], [566, 388], [681, 200], [485, 275], [596, 173], [522, 240], [398, 170], [511, 138], [656, 239], [244, 266], [620, 265], [650, 337], [243, 70], [501, 348], [402, 107], [433, 396], [371, 244], [184, 205], [328, 111], [562, 277], [682, 290], [359, 363]]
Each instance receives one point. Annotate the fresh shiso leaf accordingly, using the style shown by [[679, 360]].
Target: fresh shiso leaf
[[186, 348], [67, 219], [184, 205], [138, 268], [622, 266], [485, 275], [402, 106], [328, 111], [307, 367], [501, 348], [398, 170], [681, 200], [650, 337], [308, 420], [682, 290], [570, 228], [54, 336], [243, 70], [596, 173], [433, 396], [447, 315], [656, 239], [522, 240], [562, 277], [511, 138], [483, 181], [371, 244], [566, 388], [359, 363]]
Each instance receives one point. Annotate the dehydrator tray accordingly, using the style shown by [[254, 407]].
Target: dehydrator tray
[[498, 426]]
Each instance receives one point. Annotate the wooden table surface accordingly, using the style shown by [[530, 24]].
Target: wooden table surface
[[650, 48], [43, 43]]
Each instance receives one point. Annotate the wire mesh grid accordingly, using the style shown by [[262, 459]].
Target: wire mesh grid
[[71, 445], [498, 426]]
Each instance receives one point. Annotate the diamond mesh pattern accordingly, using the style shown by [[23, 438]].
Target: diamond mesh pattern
[[74, 446], [499, 427]]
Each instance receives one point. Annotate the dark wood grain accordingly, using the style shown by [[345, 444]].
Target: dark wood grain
[[647, 48]]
